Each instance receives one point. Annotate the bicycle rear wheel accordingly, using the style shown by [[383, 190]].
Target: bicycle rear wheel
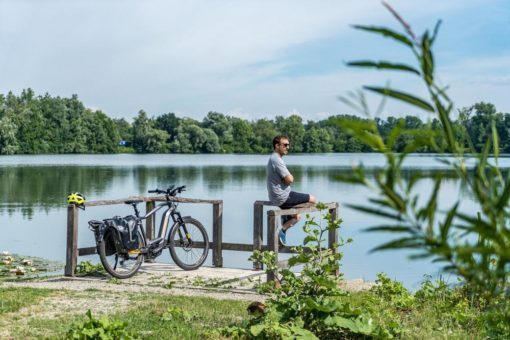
[[188, 243], [121, 266]]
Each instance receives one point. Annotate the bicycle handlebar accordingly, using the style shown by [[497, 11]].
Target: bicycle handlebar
[[171, 191]]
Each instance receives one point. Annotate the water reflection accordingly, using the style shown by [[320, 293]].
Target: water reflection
[[25, 188], [33, 193]]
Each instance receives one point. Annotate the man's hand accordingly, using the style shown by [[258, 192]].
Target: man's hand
[[288, 179]]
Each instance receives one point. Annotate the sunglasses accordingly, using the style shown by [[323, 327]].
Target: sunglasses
[[285, 145]]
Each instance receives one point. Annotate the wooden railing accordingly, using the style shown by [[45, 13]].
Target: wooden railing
[[73, 251], [217, 245], [272, 230]]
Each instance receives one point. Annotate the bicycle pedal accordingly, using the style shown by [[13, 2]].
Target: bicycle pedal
[[134, 252]]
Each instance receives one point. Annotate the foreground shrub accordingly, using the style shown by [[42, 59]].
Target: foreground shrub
[[310, 304], [103, 329], [86, 268], [474, 245]]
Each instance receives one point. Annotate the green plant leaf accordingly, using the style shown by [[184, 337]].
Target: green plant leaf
[[390, 228], [405, 97], [427, 60], [387, 33], [495, 140], [384, 65], [503, 199], [405, 242], [341, 322], [256, 330], [436, 30], [445, 227], [380, 213]]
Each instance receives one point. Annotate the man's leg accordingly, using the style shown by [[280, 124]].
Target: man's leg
[[295, 218], [291, 221]]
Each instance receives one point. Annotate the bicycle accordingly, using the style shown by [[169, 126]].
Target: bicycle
[[123, 246]]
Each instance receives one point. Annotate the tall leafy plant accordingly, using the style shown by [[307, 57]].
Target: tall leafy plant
[[474, 245], [310, 304]]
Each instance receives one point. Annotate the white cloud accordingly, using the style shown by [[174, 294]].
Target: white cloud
[[191, 57]]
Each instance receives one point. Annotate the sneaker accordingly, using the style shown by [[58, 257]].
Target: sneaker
[[282, 237]]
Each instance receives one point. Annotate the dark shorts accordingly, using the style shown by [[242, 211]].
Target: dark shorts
[[294, 199]]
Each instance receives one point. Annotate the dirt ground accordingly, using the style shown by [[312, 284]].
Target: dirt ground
[[221, 283]]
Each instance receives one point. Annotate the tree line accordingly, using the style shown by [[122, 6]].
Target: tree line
[[31, 124]]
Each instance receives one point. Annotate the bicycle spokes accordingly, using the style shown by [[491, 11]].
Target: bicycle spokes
[[189, 244]]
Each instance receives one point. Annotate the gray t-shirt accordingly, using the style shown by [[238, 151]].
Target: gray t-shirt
[[276, 170]]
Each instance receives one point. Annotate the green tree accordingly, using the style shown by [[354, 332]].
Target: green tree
[[124, 129], [222, 127], [189, 138], [54, 112], [211, 143], [264, 131], [244, 136], [101, 133], [479, 125], [156, 141], [293, 127], [317, 139], [8, 142], [32, 132], [146, 138], [75, 137], [167, 122]]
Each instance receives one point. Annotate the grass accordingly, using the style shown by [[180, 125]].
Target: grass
[[146, 314], [153, 316], [422, 320], [13, 299], [205, 314]]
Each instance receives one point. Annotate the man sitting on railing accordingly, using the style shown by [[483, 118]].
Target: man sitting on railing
[[279, 179]]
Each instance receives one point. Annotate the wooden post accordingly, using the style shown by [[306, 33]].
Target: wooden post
[[72, 240], [217, 259], [272, 240], [333, 236], [150, 221], [257, 231]]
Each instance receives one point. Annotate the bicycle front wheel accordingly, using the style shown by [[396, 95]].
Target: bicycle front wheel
[[121, 266], [188, 243]]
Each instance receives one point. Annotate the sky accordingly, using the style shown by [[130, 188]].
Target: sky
[[250, 59]]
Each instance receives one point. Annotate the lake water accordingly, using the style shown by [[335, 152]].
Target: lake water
[[33, 191]]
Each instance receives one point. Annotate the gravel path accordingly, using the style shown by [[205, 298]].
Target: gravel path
[[218, 283], [78, 284]]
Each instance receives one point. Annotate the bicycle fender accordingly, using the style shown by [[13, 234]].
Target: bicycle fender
[[99, 230]]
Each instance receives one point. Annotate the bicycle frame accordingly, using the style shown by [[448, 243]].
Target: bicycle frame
[[170, 212]]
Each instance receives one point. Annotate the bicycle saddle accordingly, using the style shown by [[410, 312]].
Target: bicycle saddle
[[133, 201]]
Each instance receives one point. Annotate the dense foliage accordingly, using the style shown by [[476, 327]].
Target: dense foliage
[[31, 124], [309, 305], [473, 244], [314, 305]]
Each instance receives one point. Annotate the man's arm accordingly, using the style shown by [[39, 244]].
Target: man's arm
[[283, 172], [288, 179]]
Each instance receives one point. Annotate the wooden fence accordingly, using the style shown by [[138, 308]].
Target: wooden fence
[[217, 245], [73, 251], [272, 230]]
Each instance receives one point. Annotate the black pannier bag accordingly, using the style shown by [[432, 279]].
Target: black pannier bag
[[109, 242], [128, 231]]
